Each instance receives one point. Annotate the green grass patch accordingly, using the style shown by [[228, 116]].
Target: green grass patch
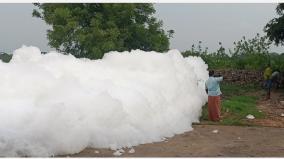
[[236, 105], [230, 90], [237, 108]]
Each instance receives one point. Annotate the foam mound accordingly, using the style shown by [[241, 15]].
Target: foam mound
[[57, 104]]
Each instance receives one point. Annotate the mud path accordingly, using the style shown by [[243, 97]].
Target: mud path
[[273, 109], [230, 141], [264, 140]]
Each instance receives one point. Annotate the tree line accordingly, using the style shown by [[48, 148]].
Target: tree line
[[92, 29], [250, 54]]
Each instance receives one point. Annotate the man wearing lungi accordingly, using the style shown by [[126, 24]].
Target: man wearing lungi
[[214, 99]]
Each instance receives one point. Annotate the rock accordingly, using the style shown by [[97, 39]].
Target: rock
[[97, 151], [282, 114], [250, 116]]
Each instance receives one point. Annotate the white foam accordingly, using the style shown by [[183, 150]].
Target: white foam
[[56, 104], [250, 116], [117, 153], [131, 150]]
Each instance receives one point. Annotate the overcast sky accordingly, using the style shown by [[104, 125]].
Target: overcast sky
[[209, 23]]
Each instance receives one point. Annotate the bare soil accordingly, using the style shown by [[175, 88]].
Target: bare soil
[[272, 108], [230, 141], [264, 140]]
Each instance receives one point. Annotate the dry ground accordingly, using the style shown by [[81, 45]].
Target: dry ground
[[272, 109], [230, 141], [264, 140]]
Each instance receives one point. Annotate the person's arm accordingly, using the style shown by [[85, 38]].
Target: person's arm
[[219, 79]]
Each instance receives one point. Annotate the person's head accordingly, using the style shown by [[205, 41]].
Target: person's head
[[211, 73]]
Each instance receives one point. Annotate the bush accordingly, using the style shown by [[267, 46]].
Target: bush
[[251, 54]]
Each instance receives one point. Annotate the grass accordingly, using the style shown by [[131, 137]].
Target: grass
[[230, 90], [236, 105]]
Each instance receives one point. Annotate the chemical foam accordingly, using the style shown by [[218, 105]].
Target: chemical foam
[[55, 104]]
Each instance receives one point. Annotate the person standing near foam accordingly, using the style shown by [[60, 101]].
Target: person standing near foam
[[214, 96]]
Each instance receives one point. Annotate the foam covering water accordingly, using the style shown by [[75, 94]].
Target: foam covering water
[[57, 104]]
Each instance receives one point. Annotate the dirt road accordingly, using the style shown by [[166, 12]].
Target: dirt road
[[265, 140], [230, 141], [273, 110]]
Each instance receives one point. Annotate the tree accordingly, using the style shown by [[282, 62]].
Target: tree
[[5, 57], [251, 53], [90, 30], [256, 45], [275, 27]]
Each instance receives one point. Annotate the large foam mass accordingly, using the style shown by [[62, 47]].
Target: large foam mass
[[56, 104]]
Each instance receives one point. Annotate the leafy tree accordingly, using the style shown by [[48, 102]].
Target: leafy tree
[[92, 29], [275, 27], [257, 44], [5, 57], [251, 53]]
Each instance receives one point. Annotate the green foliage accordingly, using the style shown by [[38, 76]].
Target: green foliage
[[277, 61], [274, 28], [218, 59], [92, 29], [257, 44], [5, 57], [251, 54]]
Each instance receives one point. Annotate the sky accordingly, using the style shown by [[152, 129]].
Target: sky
[[209, 23]]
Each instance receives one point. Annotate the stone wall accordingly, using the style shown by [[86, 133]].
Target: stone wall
[[245, 77], [241, 76]]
